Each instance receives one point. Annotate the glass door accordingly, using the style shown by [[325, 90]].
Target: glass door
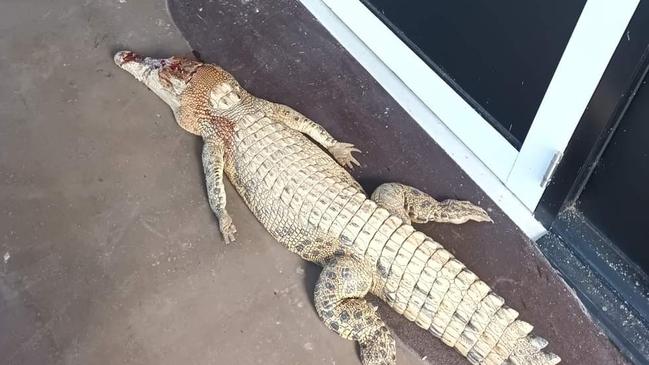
[[498, 55], [510, 79]]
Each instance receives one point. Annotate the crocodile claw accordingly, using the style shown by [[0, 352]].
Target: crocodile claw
[[227, 228], [342, 152]]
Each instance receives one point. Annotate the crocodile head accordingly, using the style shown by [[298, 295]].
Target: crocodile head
[[202, 89], [166, 77]]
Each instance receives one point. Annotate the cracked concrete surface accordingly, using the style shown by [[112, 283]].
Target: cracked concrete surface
[[110, 253]]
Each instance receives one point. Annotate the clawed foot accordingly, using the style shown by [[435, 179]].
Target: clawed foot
[[460, 211], [227, 228], [342, 152]]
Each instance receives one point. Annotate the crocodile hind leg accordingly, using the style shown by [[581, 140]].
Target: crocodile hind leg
[[411, 204], [339, 293]]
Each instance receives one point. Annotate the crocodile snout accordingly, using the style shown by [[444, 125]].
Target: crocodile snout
[[123, 57], [156, 73], [138, 66]]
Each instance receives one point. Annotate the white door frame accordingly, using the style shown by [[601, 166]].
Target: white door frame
[[589, 50]]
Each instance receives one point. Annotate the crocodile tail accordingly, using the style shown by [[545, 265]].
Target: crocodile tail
[[421, 280]]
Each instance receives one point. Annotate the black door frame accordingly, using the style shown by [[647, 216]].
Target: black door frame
[[612, 288], [606, 108]]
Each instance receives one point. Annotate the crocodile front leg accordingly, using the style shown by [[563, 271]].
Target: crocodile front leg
[[213, 163], [409, 203], [339, 293], [341, 151]]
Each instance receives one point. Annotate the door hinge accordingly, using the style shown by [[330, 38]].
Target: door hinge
[[551, 168]]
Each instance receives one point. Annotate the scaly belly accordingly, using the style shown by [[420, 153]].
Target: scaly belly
[[292, 186]]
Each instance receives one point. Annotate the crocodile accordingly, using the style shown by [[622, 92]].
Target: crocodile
[[291, 174]]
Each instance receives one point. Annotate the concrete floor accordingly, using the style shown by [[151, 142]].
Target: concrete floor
[[110, 253]]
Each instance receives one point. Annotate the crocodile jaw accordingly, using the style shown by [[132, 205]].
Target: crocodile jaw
[[147, 70]]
